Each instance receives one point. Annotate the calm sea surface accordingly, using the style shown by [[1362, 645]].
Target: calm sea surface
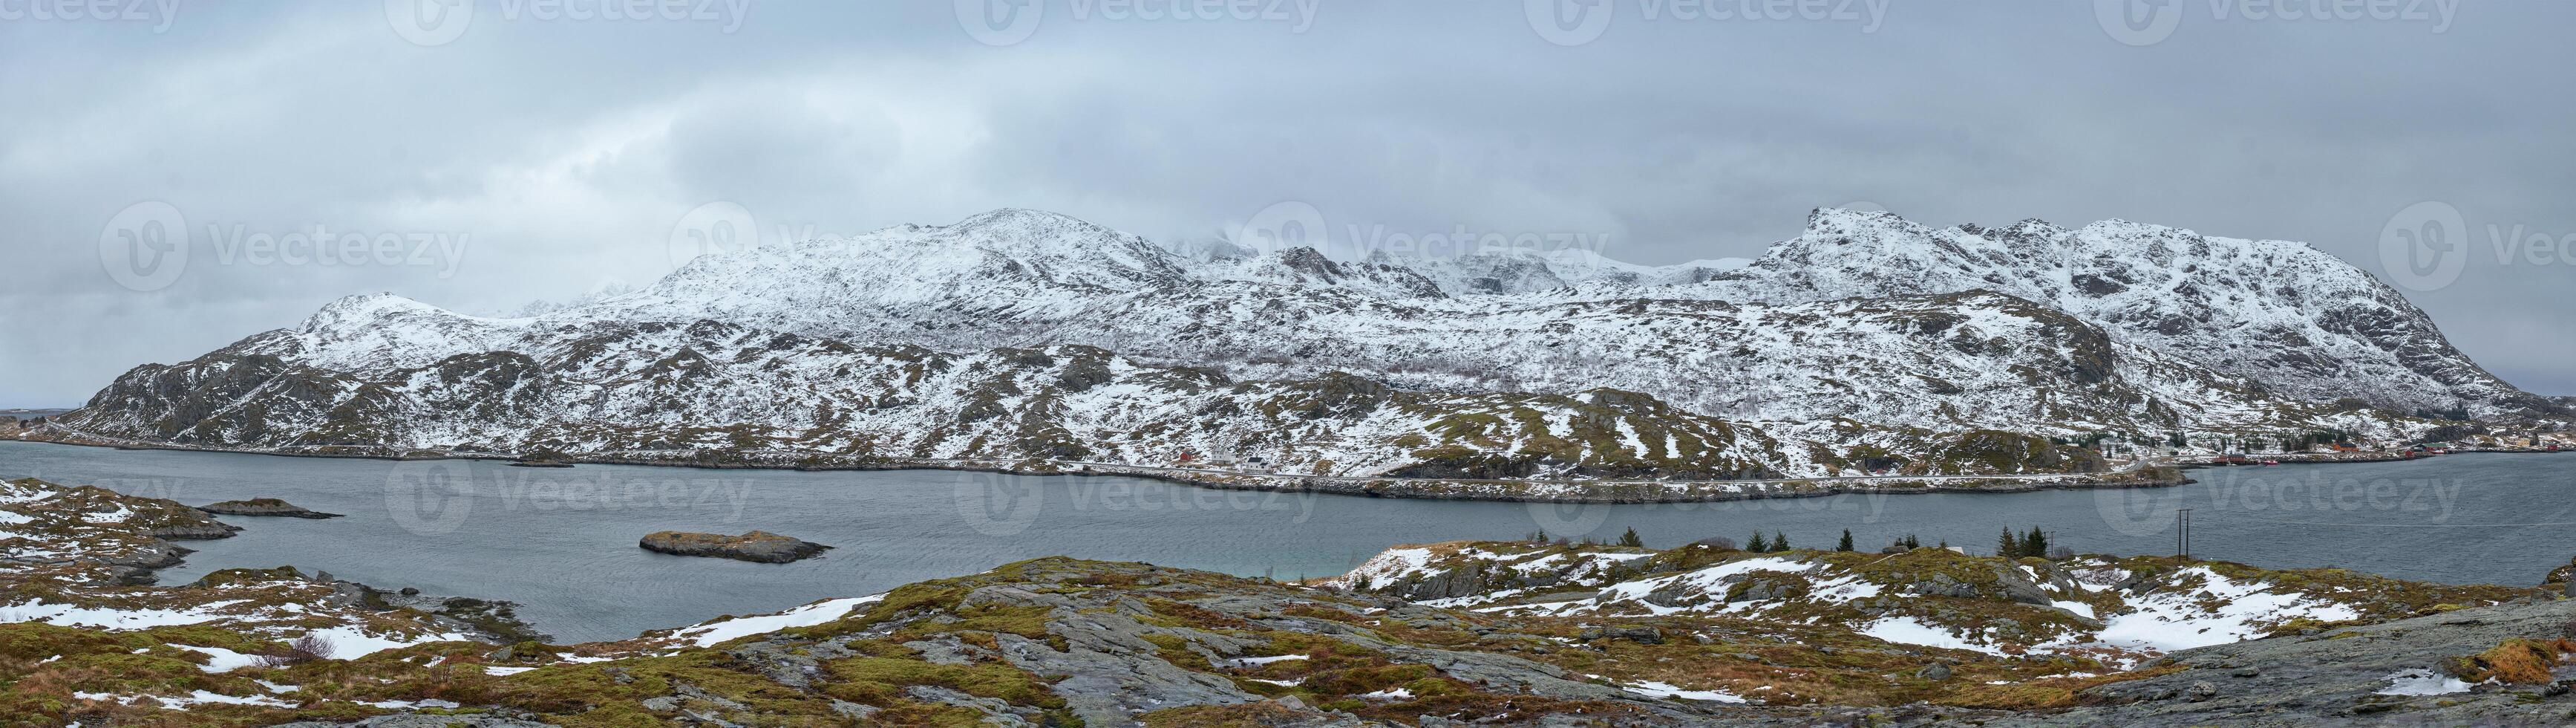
[[562, 541]]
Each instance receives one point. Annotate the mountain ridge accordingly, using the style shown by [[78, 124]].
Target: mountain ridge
[[1869, 341]]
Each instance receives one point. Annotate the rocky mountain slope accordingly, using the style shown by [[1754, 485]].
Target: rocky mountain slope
[[2301, 322], [1867, 344]]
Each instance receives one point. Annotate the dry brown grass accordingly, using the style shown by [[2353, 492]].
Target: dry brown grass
[[2516, 661]]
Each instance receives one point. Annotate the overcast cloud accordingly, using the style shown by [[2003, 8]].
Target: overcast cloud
[[534, 150]]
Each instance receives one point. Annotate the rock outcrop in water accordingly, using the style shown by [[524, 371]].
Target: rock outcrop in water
[[760, 546], [263, 507]]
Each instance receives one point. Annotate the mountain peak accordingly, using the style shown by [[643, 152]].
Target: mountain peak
[[369, 305], [1020, 220]]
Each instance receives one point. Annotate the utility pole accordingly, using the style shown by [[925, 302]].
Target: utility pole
[[2182, 533]]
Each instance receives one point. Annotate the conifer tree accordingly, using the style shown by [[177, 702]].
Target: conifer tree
[[1757, 545], [1846, 544], [1630, 539], [1779, 541], [2010, 546]]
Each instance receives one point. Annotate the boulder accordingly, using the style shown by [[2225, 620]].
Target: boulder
[[759, 546]]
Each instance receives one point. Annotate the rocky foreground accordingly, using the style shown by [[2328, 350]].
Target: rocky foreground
[[1449, 634]]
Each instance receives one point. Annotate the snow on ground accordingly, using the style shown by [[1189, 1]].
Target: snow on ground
[[1911, 631], [1388, 567], [350, 643], [714, 633], [1708, 580], [223, 660], [2423, 682], [1259, 661], [2178, 620], [181, 703], [68, 615], [1654, 689]]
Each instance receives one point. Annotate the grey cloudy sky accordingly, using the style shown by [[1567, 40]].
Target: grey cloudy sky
[[559, 142]]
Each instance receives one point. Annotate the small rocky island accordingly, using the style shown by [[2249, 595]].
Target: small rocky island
[[263, 507], [760, 546]]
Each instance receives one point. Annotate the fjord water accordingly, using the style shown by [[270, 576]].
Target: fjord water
[[562, 541]]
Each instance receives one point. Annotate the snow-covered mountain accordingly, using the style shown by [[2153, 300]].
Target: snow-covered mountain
[[2299, 321], [1868, 342]]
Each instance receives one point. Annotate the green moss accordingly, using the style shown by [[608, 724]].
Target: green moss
[[878, 681]]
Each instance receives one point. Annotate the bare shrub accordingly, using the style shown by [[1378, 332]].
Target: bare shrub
[[307, 648]]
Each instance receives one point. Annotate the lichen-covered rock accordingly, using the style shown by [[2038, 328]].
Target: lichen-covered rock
[[759, 546]]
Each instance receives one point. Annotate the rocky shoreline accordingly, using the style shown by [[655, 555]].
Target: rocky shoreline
[[135, 556], [1514, 491]]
